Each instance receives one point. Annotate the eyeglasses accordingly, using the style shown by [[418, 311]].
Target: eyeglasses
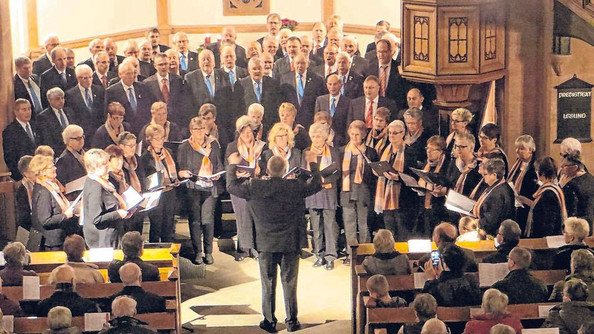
[[395, 133], [197, 129], [460, 147], [78, 138], [457, 120], [281, 136]]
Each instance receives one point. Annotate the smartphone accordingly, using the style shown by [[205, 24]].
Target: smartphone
[[435, 257]]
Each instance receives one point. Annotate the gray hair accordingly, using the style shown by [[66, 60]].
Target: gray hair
[[345, 55], [59, 317], [123, 306], [83, 67], [70, 131], [414, 113], [526, 141], [396, 124], [496, 166], [255, 107], [54, 91], [570, 145]]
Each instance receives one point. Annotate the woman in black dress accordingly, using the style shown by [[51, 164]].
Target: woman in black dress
[[523, 178], [578, 187]]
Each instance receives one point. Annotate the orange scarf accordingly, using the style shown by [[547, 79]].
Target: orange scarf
[[388, 191], [113, 133], [250, 153], [164, 163], [131, 166], [537, 195], [351, 150], [206, 167], [285, 154], [437, 164], [464, 170], [78, 156], [324, 162], [381, 138], [476, 211], [109, 188], [517, 167], [57, 194], [119, 176]]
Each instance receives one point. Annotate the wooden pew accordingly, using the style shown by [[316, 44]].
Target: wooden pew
[[165, 321]]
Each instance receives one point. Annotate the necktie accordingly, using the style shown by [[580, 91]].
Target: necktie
[[231, 77], [104, 81], [30, 133], [132, 99], [88, 98], [329, 71], [369, 115], [292, 66], [183, 64], [63, 121], [258, 91], [165, 89], [63, 78], [35, 100], [209, 85], [318, 47], [383, 81], [342, 88], [333, 107], [300, 89]]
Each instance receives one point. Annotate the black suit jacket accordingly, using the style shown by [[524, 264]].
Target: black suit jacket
[[144, 100], [370, 47], [357, 110], [396, 87], [90, 119], [22, 92], [50, 130], [146, 69], [270, 98], [51, 79], [88, 61], [163, 48], [177, 105], [239, 54], [359, 64], [41, 65], [16, 143], [146, 302], [314, 87], [430, 119], [353, 88], [339, 120], [192, 61], [281, 67], [200, 95], [114, 67], [497, 207], [69, 168], [97, 80], [239, 73]]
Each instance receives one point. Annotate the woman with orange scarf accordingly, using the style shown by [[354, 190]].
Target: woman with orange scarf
[[158, 159], [200, 156], [132, 175], [459, 120], [390, 193], [250, 150], [281, 142], [547, 211], [322, 205], [51, 214], [522, 177], [357, 182]]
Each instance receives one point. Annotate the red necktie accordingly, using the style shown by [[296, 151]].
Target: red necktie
[[329, 71], [369, 115], [104, 81], [383, 81], [165, 90], [292, 66]]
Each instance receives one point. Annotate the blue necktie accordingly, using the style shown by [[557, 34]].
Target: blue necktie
[[30, 133], [88, 98], [258, 91], [209, 85], [36, 104], [62, 119], [300, 89], [342, 88], [182, 60], [63, 76], [333, 107], [132, 99], [231, 77]]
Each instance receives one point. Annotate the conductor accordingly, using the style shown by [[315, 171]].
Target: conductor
[[277, 205]]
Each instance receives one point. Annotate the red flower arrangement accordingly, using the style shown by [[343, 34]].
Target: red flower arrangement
[[288, 23]]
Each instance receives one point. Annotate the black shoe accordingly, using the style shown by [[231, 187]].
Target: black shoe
[[238, 257], [208, 259], [293, 326], [198, 260], [268, 326], [320, 262], [347, 261], [329, 265]]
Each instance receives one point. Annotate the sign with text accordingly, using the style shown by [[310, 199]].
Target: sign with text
[[574, 112]]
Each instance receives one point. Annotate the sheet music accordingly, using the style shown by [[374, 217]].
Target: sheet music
[[409, 181], [76, 201], [31, 288], [2, 260], [153, 181], [76, 185], [8, 323], [131, 197], [555, 241], [151, 200], [419, 246], [22, 235], [459, 203], [490, 273], [517, 203], [211, 177], [100, 254], [540, 330], [543, 310], [419, 280], [95, 321]]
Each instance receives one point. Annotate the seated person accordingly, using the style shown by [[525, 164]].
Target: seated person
[[425, 307], [74, 247], [508, 237], [582, 267], [379, 292], [123, 310], [59, 321], [494, 312], [469, 230], [448, 282], [519, 285], [445, 234], [574, 311], [587, 328], [502, 329], [435, 326], [45, 150], [13, 272], [386, 260], [9, 307], [575, 230], [24, 193], [66, 296], [146, 302], [132, 247]]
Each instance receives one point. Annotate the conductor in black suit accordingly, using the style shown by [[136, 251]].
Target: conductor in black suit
[[302, 88], [229, 35], [19, 137], [277, 205], [26, 85], [392, 85], [337, 105], [53, 120], [43, 63], [57, 76]]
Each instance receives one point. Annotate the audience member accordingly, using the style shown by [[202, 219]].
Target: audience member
[[59, 321], [502, 329], [445, 234], [13, 272], [147, 302], [574, 311], [494, 312], [8, 306], [425, 308], [469, 230], [132, 247], [123, 310], [508, 237], [435, 326], [65, 295], [379, 292], [386, 260], [575, 230], [519, 285], [582, 267], [74, 247], [587, 328]]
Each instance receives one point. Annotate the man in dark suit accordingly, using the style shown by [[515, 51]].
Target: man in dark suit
[[26, 85], [350, 45], [267, 64], [173, 57], [114, 59], [381, 27], [146, 302], [392, 85], [102, 74], [43, 63], [87, 103], [19, 137], [363, 108], [302, 88], [188, 60], [352, 82], [257, 88], [53, 120], [170, 89], [57, 76], [145, 59], [319, 39], [284, 65], [134, 96], [229, 67], [415, 99], [337, 105], [277, 206], [329, 65], [95, 46], [228, 35], [136, 64], [154, 36], [273, 24], [306, 45]]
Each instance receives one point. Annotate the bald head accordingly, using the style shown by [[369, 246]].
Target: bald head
[[64, 274], [130, 274], [444, 233], [434, 326]]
